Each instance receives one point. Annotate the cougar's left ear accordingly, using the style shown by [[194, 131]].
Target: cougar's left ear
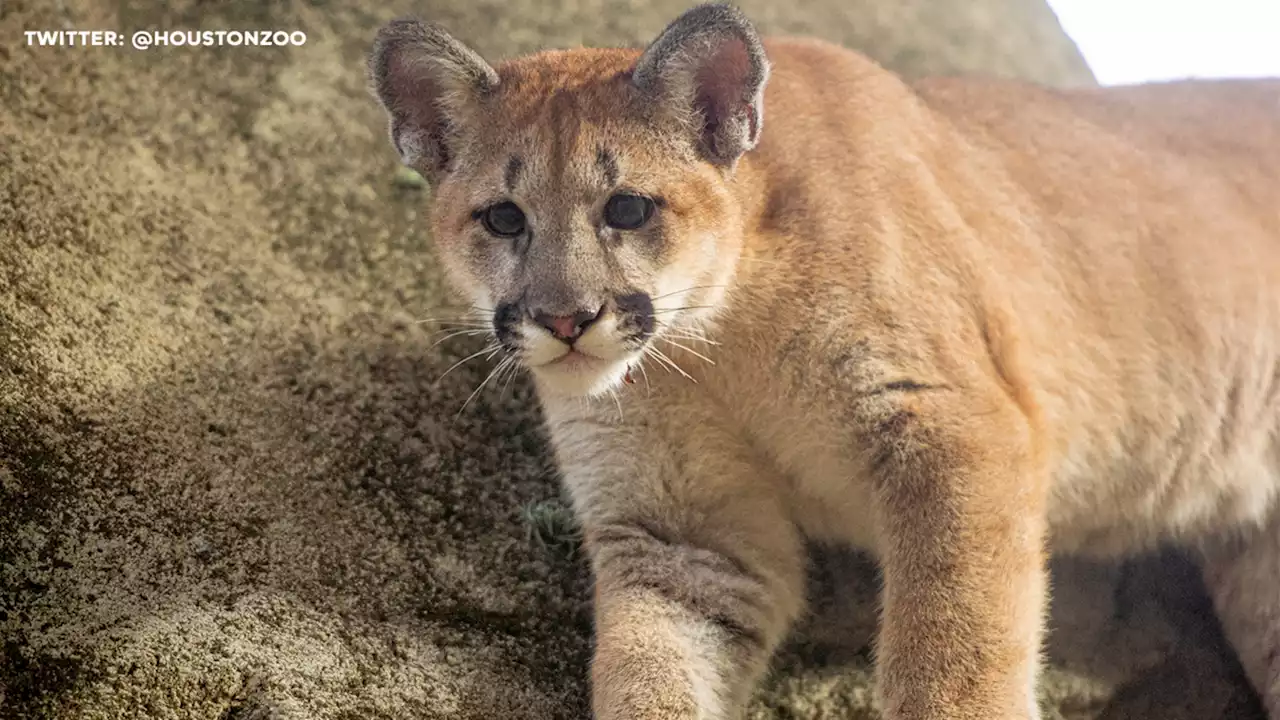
[[708, 69]]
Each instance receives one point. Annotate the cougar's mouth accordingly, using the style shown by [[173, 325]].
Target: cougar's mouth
[[574, 359]]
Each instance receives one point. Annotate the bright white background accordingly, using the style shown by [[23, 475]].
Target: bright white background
[[1128, 41]]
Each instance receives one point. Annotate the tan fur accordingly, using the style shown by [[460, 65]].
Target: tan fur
[[960, 324]]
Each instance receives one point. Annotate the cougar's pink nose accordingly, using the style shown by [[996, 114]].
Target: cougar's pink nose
[[563, 326], [568, 327]]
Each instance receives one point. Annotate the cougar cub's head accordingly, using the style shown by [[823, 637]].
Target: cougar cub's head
[[582, 196]]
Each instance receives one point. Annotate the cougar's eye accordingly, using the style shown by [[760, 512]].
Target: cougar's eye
[[505, 219], [627, 212]]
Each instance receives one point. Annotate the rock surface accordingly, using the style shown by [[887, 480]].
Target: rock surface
[[233, 482]]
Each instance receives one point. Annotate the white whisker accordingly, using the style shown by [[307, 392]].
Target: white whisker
[[649, 351], [476, 321], [681, 309], [689, 289], [617, 401], [453, 324], [456, 333], [469, 308], [491, 349], [466, 314], [513, 370], [690, 350], [689, 336], [662, 356], [468, 318], [500, 367]]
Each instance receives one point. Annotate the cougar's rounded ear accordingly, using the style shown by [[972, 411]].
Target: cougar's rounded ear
[[430, 86], [708, 70]]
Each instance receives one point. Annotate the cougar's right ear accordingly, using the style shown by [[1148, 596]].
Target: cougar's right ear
[[708, 70], [429, 84]]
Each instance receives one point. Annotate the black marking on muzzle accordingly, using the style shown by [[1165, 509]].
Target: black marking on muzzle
[[635, 314], [506, 324]]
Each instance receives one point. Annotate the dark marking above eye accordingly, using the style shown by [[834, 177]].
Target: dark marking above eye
[[907, 386], [608, 165], [512, 174]]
